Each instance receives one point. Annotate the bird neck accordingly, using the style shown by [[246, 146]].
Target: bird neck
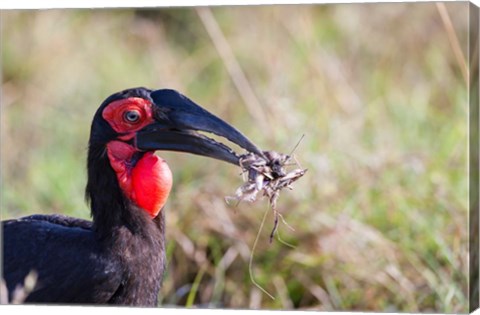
[[111, 206], [144, 178]]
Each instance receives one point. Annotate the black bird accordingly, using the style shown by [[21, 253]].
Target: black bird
[[119, 257]]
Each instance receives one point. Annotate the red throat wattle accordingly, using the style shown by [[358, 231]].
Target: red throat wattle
[[147, 183]]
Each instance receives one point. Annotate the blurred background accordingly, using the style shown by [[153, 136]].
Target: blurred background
[[379, 90]]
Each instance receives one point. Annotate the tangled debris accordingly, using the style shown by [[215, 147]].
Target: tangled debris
[[269, 175]]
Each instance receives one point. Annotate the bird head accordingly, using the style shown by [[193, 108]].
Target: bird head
[[130, 125]]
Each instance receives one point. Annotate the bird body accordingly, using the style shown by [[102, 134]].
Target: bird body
[[118, 257], [75, 265]]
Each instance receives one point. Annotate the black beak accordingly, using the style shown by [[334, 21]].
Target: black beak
[[177, 120]]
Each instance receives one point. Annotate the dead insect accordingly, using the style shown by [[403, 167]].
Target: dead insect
[[268, 175]]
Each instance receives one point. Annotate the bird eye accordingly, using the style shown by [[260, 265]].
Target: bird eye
[[131, 116]]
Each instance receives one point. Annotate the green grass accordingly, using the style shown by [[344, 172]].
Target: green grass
[[380, 218]]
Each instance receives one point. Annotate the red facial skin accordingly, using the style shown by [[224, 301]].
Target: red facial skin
[[114, 114], [149, 181]]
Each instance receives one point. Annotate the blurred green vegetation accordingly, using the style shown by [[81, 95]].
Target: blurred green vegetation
[[380, 219]]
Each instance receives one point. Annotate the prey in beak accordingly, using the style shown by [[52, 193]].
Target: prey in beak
[[130, 125]]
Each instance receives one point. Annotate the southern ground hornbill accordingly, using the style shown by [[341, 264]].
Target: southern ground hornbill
[[119, 257]]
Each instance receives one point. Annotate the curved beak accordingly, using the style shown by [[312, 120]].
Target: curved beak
[[176, 126]]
